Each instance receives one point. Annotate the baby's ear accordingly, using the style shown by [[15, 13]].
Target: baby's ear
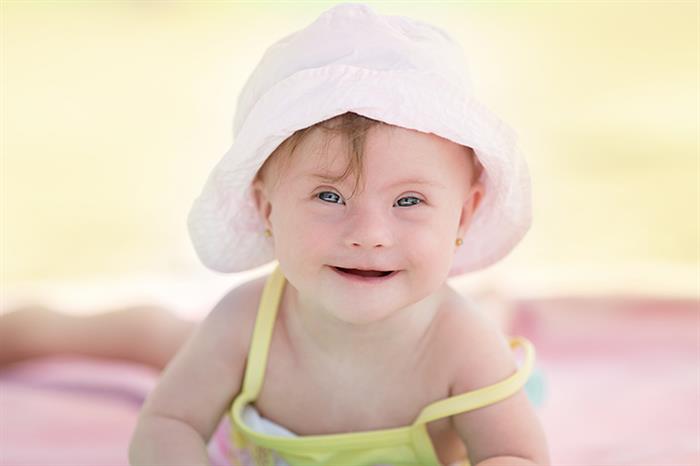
[[476, 194], [262, 203]]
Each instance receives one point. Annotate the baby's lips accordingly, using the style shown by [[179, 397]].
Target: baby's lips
[[365, 273]]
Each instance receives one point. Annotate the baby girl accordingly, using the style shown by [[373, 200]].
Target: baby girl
[[364, 167]]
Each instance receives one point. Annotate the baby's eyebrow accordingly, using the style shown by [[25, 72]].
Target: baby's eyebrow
[[411, 181], [322, 176], [416, 181]]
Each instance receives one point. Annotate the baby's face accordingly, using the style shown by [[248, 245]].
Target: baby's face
[[414, 201]]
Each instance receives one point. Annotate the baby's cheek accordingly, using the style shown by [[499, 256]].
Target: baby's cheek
[[438, 247], [418, 248], [428, 238], [311, 239]]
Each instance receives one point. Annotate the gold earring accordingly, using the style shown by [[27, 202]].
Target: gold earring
[[459, 241], [268, 233]]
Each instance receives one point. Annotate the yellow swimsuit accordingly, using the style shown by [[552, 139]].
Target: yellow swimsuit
[[409, 445]]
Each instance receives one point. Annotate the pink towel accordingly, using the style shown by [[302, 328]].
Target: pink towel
[[621, 389]]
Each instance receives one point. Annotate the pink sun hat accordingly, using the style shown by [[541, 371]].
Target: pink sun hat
[[395, 69]]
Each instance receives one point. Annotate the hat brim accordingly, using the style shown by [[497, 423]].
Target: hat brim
[[225, 227]]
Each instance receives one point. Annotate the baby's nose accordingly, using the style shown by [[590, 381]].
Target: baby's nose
[[369, 231]]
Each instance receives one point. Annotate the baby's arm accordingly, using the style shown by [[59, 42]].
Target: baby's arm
[[145, 334], [181, 413], [506, 433]]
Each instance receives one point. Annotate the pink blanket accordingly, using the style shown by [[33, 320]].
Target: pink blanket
[[621, 388]]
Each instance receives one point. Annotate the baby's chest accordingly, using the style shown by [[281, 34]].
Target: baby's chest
[[313, 405], [309, 398], [312, 408]]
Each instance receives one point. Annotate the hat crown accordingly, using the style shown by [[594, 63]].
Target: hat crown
[[389, 68], [355, 35]]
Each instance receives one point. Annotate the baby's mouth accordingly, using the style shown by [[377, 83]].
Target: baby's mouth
[[365, 273]]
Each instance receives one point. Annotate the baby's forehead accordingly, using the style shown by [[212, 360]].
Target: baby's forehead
[[387, 148]]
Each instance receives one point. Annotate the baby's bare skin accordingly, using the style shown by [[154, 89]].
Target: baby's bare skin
[[145, 334], [290, 374], [353, 402]]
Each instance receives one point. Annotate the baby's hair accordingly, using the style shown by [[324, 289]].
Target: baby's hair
[[353, 128]]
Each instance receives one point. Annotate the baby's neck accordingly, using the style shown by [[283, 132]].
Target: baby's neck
[[336, 345]]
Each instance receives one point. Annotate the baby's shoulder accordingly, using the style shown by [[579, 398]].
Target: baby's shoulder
[[460, 318], [479, 349], [235, 313]]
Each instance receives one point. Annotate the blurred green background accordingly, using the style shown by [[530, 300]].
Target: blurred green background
[[113, 113]]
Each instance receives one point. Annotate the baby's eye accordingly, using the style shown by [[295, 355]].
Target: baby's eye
[[328, 196], [412, 200]]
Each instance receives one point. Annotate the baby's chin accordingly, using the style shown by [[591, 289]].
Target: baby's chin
[[369, 308], [361, 311]]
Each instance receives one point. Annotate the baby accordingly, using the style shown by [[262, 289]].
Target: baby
[[365, 168]]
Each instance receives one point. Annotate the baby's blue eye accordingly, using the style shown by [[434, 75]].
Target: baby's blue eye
[[333, 198], [328, 196], [413, 201]]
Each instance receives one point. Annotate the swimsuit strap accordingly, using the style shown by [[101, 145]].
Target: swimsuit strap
[[483, 396], [260, 344], [262, 333]]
